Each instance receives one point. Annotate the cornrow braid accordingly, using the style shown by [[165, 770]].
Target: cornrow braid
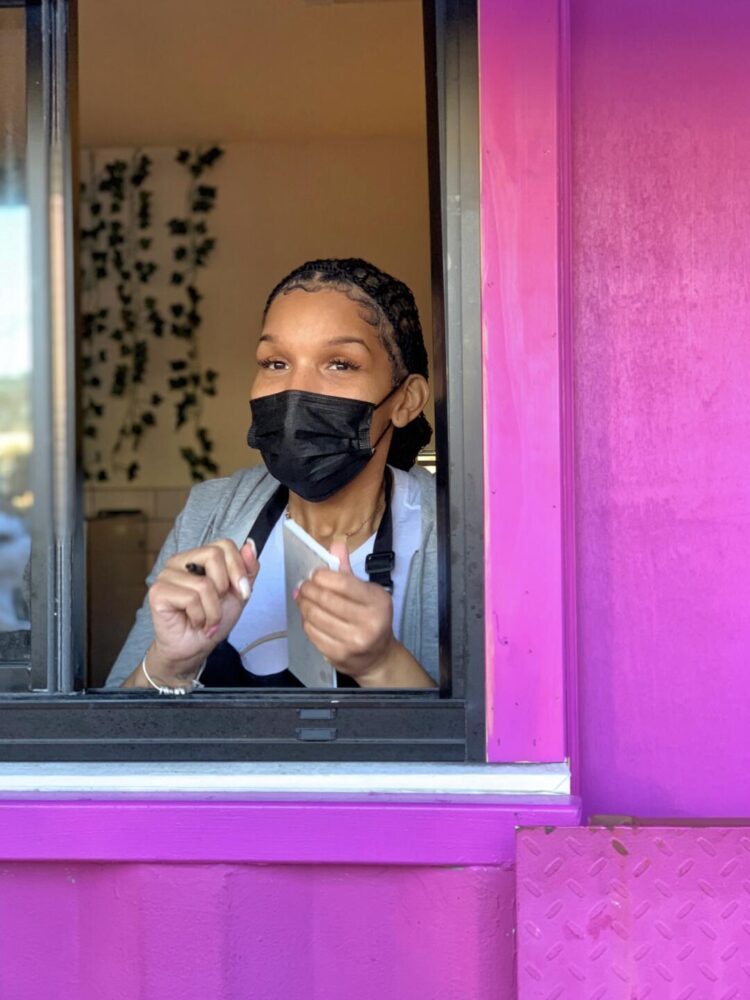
[[392, 310]]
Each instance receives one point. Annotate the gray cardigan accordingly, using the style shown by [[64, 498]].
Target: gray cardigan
[[227, 508]]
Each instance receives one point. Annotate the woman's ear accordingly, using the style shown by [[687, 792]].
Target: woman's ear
[[410, 400]]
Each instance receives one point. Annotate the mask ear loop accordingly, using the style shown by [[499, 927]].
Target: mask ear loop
[[377, 407], [391, 393]]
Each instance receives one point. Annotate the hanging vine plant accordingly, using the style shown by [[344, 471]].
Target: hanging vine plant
[[126, 307], [117, 250], [189, 381]]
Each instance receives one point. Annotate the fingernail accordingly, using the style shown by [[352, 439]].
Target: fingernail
[[251, 543], [211, 632], [245, 589], [295, 593], [311, 574]]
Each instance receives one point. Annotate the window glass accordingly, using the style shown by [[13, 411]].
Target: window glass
[[15, 359], [300, 133]]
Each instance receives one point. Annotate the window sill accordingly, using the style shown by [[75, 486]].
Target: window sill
[[285, 813], [283, 780]]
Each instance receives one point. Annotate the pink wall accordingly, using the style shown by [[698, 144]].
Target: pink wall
[[261, 900], [633, 913], [661, 185], [525, 348], [247, 932], [661, 264]]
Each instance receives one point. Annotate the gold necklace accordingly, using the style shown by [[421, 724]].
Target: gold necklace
[[351, 534]]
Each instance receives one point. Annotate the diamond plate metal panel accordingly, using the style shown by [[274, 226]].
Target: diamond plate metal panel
[[630, 913]]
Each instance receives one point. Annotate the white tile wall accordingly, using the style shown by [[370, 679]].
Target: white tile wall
[[159, 505]]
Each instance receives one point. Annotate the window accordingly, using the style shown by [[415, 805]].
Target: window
[[57, 716], [15, 351]]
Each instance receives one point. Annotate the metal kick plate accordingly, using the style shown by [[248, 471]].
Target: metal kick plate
[[630, 913]]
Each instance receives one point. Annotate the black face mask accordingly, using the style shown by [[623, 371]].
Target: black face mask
[[312, 443]]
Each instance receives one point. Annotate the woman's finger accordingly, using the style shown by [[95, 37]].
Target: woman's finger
[[338, 605], [340, 550], [215, 567], [202, 586], [347, 632], [224, 550], [236, 567], [345, 584], [332, 649], [167, 599], [249, 556]]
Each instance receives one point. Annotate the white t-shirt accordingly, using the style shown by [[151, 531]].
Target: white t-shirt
[[260, 634]]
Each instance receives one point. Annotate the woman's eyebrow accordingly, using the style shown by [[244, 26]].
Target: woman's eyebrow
[[340, 341], [268, 338]]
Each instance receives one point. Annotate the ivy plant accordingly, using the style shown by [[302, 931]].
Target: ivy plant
[[127, 308]]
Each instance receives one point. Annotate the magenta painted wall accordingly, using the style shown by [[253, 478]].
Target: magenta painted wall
[[661, 255], [661, 264], [628, 913], [249, 900], [521, 57], [247, 932]]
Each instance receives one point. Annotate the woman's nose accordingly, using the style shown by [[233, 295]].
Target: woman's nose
[[303, 381]]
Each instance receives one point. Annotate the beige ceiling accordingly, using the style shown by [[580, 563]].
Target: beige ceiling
[[167, 71]]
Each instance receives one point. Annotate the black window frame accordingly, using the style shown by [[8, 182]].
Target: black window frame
[[57, 723]]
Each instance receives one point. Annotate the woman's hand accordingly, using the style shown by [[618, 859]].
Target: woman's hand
[[192, 614], [351, 623]]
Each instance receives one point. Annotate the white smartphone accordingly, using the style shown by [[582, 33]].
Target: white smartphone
[[302, 555]]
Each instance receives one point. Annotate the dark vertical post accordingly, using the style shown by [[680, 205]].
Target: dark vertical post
[[56, 576], [451, 62]]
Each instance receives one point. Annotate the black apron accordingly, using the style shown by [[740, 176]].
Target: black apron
[[224, 666]]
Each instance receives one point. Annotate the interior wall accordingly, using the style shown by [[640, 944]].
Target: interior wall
[[321, 110], [661, 180], [281, 203], [176, 71]]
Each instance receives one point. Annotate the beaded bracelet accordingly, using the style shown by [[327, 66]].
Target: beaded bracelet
[[165, 689]]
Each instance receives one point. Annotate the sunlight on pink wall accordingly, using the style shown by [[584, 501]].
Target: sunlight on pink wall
[[661, 174], [519, 109]]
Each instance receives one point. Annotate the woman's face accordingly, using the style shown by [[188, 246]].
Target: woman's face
[[321, 342]]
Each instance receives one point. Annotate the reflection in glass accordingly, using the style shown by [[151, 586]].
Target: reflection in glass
[[15, 345]]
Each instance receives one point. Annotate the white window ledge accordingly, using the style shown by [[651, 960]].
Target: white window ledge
[[283, 779]]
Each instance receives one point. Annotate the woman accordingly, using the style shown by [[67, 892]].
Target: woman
[[337, 414]]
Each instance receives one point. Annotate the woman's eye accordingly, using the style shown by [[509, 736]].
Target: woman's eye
[[342, 365], [272, 364]]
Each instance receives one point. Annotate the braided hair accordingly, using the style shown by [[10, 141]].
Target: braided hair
[[390, 307]]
